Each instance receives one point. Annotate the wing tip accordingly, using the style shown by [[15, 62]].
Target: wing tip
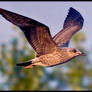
[[73, 17], [1, 10]]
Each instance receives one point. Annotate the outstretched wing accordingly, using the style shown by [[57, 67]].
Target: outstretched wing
[[72, 24], [37, 34]]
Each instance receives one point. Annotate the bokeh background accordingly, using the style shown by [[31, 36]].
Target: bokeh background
[[14, 48]]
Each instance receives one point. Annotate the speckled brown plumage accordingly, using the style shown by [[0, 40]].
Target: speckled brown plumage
[[48, 51]]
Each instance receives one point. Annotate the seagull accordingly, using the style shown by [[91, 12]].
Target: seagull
[[49, 51]]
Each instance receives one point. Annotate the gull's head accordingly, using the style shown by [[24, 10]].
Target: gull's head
[[72, 52]]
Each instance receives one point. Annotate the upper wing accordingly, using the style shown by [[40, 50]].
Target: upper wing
[[37, 34], [72, 24]]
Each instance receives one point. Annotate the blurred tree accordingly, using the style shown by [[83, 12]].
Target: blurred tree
[[73, 75]]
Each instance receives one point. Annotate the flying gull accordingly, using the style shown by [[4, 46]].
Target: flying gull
[[49, 51]]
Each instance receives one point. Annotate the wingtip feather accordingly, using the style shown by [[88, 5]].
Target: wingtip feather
[[1, 10], [74, 18]]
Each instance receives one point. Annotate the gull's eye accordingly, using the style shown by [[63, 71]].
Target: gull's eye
[[74, 50]]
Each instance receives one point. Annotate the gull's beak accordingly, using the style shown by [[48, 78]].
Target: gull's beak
[[83, 54]]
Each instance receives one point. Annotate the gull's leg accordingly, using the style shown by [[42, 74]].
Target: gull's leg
[[29, 66]]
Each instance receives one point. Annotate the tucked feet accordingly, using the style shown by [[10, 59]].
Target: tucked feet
[[29, 66]]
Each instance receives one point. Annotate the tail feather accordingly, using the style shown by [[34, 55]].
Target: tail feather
[[24, 64]]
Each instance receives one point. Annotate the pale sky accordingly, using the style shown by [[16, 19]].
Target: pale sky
[[51, 14]]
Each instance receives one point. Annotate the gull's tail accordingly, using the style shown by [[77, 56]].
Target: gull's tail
[[25, 64]]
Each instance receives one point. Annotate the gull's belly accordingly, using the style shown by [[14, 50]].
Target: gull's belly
[[52, 59]]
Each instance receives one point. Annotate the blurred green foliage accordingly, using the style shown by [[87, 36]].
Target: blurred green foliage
[[74, 75]]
